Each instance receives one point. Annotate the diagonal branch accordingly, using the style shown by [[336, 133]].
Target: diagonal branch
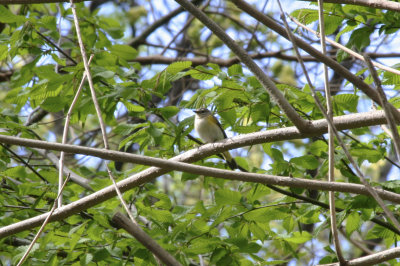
[[174, 163], [385, 105], [380, 4], [373, 259], [242, 54], [331, 174], [344, 48], [143, 36], [138, 233], [356, 81]]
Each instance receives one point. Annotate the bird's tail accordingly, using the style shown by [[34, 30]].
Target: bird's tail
[[230, 161]]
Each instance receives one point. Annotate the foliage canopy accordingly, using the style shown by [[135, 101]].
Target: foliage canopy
[[146, 86]]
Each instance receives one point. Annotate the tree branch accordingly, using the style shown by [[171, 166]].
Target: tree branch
[[30, 2], [319, 126], [163, 60], [142, 37], [270, 23], [380, 4], [122, 221], [265, 81], [372, 259]]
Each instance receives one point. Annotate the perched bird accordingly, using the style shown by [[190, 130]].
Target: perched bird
[[210, 130]]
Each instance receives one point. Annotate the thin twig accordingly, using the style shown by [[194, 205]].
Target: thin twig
[[329, 115], [372, 192], [344, 48], [187, 24], [138, 233], [270, 23], [381, 4], [43, 225], [65, 132], [25, 163], [56, 46], [331, 143], [96, 105], [385, 106], [154, 249], [265, 81], [158, 23]]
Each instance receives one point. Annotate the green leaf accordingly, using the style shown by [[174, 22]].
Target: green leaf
[[246, 129], [275, 154], [218, 254], [177, 67], [305, 16], [203, 245], [366, 154], [306, 161], [226, 196], [3, 52], [263, 215], [318, 147], [257, 231], [228, 116], [101, 255], [103, 72], [353, 222], [168, 111], [332, 23], [124, 51], [299, 237], [346, 101], [6, 16], [161, 216], [360, 38], [133, 107], [235, 69], [164, 201], [202, 73]]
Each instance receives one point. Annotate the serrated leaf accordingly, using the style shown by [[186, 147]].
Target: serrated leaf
[[202, 73], [360, 38], [124, 51], [366, 154], [299, 238], [161, 216], [133, 107], [6, 16], [306, 161], [305, 16], [353, 222], [346, 101], [176, 67], [332, 23], [318, 147], [235, 69], [226, 196], [168, 111]]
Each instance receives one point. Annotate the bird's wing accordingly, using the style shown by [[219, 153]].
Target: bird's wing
[[219, 125]]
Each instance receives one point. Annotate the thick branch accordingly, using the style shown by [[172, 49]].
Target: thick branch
[[265, 81], [373, 259], [381, 4], [67, 172], [137, 232], [158, 59], [320, 127], [270, 23], [29, 2]]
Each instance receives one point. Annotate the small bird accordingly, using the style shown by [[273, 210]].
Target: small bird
[[210, 130]]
